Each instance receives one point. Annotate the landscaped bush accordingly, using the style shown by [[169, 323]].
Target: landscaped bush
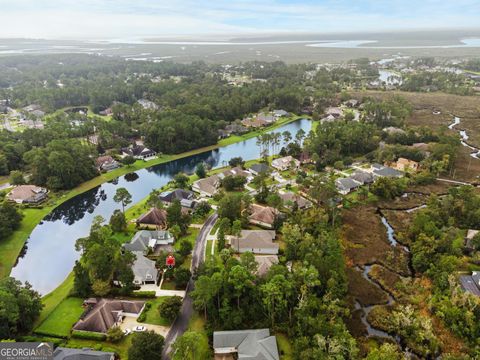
[[88, 335], [143, 316], [51, 333], [54, 340], [144, 294]]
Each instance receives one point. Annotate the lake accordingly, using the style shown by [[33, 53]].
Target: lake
[[49, 254]]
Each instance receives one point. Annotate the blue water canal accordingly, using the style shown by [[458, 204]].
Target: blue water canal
[[49, 254]]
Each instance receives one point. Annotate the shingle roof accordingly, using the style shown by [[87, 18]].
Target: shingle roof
[[290, 198], [31, 193], [260, 168], [141, 241], [346, 184], [81, 354], [250, 344], [264, 214], [154, 216], [106, 313], [144, 269], [255, 239], [362, 177], [388, 172], [177, 194]]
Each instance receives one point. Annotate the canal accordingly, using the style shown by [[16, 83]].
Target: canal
[[49, 254]]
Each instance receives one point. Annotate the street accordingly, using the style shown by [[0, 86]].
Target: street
[[181, 322]]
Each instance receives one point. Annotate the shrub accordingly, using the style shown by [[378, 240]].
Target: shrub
[[170, 307], [88, 335], [115, 334], [143, 316], [51, 333], [144, 294]]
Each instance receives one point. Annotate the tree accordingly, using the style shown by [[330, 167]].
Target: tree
[[128, 160], [170, 307], [115, 334], [236, 161], [202, 294], [123, 197], [154, 201], [236, 228], [385, 352], [10, 219], [175, 216], [191, 346], [230, 206], [82, 286], [240, 279], [146, 346], [275, 296], [118, 222], [181, 180], [200, 170], [185, 248], [181, 277], [20, 305], [16, 178]]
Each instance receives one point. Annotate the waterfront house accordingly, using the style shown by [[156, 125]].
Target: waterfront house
[[260, 168], [106, 163], [186, 197], [145, 241], [284, 163], [138, 152], [207, 186], [27, 194], [154, 218], [245, 344]]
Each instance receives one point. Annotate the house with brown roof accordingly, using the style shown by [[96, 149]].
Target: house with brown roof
[[264, 263], [255, 241], [27, 194], [285, 163], [264, 216], [254, 122], [290, 198], [154, 218], [106, 163], [403, 164], [107, 313]]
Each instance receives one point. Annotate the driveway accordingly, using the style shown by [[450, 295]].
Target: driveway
[[181, 323], [129, 322], [160, 292]]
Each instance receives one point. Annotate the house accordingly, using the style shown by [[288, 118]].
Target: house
[[27, 194], [176, 194], [106, 163], [207, 186], [236, 171], [106, 313], [264, 263], [280, 113], [352, 103], [31, 108], [138, 152], [148, 105], [263, 216], [403, 164], [255, 241], [385, 171], [346, 185], [61, 353], [363, 177], [290, 198], [336, 112], [245, 344], [144, 270], [154, 218], [106, 112], [269, 118], [236, 129], [254, 122], [471, 283], [145, 241], [285, 163], [260, 168]]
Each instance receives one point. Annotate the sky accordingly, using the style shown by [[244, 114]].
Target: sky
[[121, 19]]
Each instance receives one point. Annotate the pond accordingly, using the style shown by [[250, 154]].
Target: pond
[[50, 253]]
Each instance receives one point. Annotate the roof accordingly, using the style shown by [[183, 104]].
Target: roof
[[388, 172], [27, 193], [142, 240], [285, 161], [177, 194], [250, 344], [289, 197], [468, 284], [471, 234], [106, 313], [208, 185], [334, 111], [362, 177], [154, 217], [346, 184], [255, 239], [265, 262], [280, 112], [102, 160], [138, 150], [260, 168], [61, 353], [254, 122], [264, 214], [143, 268]]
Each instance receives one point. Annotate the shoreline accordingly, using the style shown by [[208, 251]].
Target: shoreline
[[11, 247]]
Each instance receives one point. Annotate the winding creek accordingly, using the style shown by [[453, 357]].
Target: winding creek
[[49, 254]]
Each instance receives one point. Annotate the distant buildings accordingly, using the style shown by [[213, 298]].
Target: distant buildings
[[245, 344], [27, 194]]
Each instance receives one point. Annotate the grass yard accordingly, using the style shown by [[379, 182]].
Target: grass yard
[[153, 316], [51, 300], [284, 347], [62, 318]]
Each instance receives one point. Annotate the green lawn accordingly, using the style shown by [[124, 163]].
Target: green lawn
[[62, 318], [284, 347], [208, 251], [153, 316]]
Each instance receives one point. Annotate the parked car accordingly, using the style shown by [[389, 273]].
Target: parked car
[[139, 328], [127, 331]]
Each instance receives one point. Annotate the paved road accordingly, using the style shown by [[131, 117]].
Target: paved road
[[181, 323]]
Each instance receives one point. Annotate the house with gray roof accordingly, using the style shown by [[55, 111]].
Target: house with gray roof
[[346, 185], [260, 168], [144, 270], [145, 240], [245, 344], [256, 242], [386, 171], [61, 353], [363, 177]]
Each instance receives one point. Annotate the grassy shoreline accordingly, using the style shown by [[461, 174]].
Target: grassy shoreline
[[11, 247]]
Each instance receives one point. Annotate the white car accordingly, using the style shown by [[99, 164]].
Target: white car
[[139, 328], [127, 331]]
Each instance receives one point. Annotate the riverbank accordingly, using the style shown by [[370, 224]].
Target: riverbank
[[11, 247]]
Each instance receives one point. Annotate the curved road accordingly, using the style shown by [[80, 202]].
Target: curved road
[[180, 324]]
